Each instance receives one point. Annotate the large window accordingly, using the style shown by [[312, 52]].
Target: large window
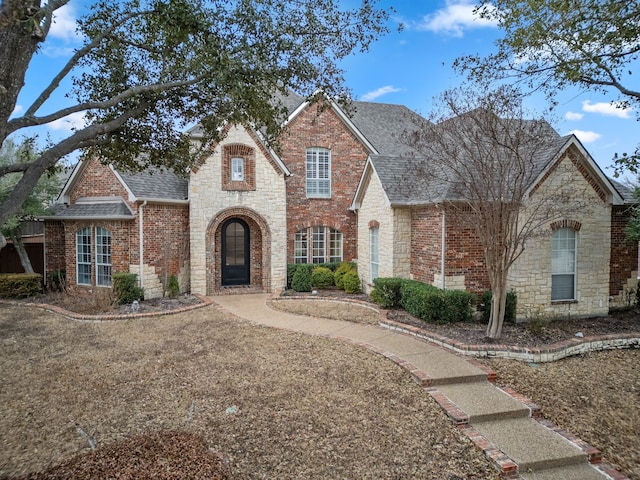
[[318, 172], [103, 257], [374, 260], [563, 264], [85, 256], [317, 245]]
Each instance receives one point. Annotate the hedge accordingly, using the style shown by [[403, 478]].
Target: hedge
[[20, 285], [342, 269], [322, 277], [426, 302], [351, 282]]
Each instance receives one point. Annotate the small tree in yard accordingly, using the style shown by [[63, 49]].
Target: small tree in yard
[[147, 69], [483, 156]]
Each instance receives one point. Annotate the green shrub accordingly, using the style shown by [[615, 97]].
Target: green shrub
[[126, 289], [173, 287], [458, 306], [434, 305], [301, 281], [20, 285], [57, 280], [509, 308], [338, 275], [351, 282], [322, 277], [386, 292], [638, 294], [333, 266]]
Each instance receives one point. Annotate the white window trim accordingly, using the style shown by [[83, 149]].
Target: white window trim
[[575, 267], [374, 260], [328, 234], [237, 174], [78, 253], [312, 176], [99, 246]]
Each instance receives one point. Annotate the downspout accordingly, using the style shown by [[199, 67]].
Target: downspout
[[141, 240], [443, 247]]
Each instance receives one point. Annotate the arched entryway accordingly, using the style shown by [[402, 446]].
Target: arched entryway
[[238, 250], [235, 264]]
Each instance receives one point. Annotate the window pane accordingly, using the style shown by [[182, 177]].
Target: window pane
[[83, 256], [234, 244], [318, 253], [300, 247], [237, 169], [563, 264], [318, 163], [335, 246], [103, 257], [562, 287], [374, 252]]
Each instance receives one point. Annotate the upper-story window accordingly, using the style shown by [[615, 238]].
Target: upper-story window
[[318, 172], [237, 169], [563, 264]]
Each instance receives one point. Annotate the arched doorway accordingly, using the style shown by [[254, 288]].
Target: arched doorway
[[235, 253]]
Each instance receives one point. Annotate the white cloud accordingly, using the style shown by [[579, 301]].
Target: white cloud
[[63, 26], [73, 121], [456, 17], [573, 116], [612, 109], [586, 136], [17, 110], [379, 92]]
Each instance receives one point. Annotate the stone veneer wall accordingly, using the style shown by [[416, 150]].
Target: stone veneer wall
[[208, 200], [394, 235], [530, 276]]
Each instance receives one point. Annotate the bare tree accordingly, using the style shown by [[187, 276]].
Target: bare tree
[[483, 157]]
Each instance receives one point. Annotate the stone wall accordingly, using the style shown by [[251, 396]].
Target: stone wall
[[263, 208]]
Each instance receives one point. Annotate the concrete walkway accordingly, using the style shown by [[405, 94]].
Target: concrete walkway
[[500, 424]]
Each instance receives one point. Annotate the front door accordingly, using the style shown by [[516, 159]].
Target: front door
[[235, 252]]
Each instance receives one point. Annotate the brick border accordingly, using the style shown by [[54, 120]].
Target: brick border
[[205, 302]]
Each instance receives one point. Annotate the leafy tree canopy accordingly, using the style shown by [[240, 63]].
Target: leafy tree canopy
[[149, 68], [554, 44]]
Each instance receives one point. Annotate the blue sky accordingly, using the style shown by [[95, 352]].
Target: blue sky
[[409, 67]]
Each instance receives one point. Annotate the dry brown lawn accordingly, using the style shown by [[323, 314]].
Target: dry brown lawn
[[273, 404]]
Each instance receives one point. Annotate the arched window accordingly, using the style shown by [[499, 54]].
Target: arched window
[[83, 256], [317, 245], [103, 257], [563, 264], [374, 258]]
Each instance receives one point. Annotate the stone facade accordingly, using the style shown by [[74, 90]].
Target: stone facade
[[260, 202]]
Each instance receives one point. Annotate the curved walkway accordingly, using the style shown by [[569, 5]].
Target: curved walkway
[[503, 424]]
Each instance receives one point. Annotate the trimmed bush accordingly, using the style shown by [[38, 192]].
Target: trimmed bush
[[434, 305], [291, 270], [386, 292], [20, 285], [342, 269], [509, 308], [322, 277], [301, 281], [351, 282], [126, 289], [173, 287]]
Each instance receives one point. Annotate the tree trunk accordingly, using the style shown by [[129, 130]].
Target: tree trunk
[[498, 305], [22, 253]]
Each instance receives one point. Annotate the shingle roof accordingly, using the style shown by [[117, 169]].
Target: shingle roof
[[626, 192], [99, 208], [156, 183], [386, 126]]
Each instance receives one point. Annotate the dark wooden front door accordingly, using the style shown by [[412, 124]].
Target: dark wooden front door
[[235, 252]]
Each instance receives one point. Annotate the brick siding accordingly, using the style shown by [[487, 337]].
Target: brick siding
[[624, 253]]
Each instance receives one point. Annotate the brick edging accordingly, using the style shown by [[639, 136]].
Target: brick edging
[[205, 302]]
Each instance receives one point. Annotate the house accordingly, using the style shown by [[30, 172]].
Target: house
[[247, 211]]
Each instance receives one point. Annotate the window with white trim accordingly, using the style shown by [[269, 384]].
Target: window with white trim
[[317, 245], [237, 169], [318, 172], [374, 260], [103, 257], [83, 256], [563, 264]]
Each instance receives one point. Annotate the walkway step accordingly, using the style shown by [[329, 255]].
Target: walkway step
[[571, 472], [530, 445], [482, 401]]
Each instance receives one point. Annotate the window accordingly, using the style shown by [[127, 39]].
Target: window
[[83, 256], [237, 169], [300, 247], [374, 260], [317, 245], [563, 264], [103, 257], [318, 173]]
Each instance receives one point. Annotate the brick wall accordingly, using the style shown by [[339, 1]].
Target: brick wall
[[55, 249], [321, 127], [624, 256], [426, 240], [98, 180]]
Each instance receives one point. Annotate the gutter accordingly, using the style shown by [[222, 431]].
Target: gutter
[[443, 247], [141, 240]]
